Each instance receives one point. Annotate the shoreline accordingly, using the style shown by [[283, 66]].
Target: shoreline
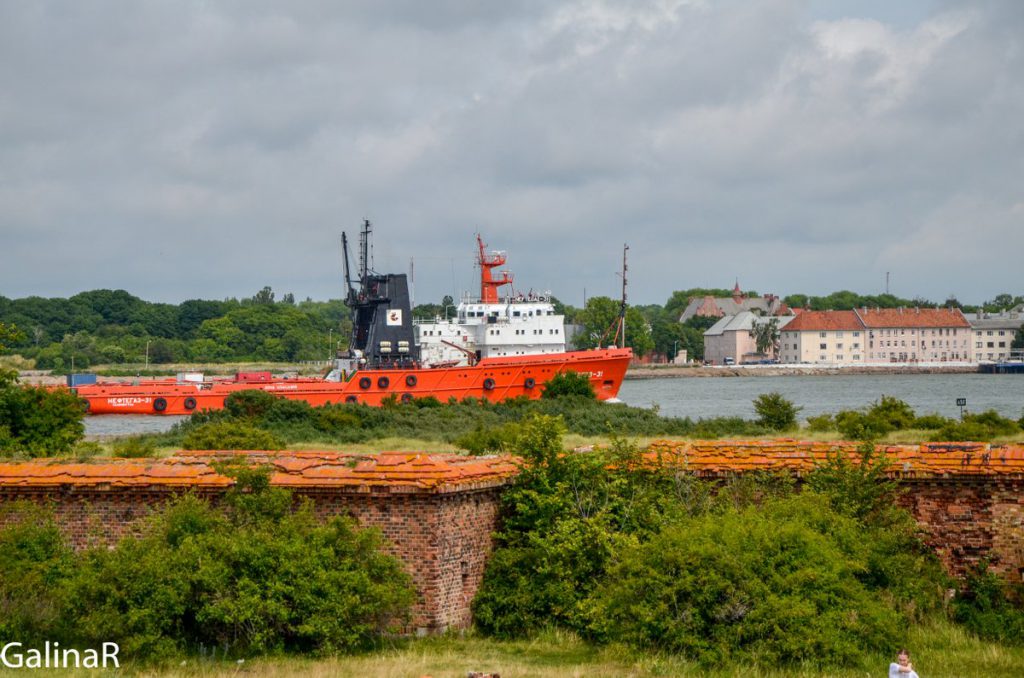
[[681, 372]]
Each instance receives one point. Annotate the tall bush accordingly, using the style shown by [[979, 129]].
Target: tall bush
[[38, 421], [773, 584], [775, 412], [257, 578]]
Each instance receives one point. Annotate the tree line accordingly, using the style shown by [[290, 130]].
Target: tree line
[[116, 327]]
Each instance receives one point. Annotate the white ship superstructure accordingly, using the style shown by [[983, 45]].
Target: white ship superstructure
[[520, 324]]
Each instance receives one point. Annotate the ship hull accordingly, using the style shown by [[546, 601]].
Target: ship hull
[[491, 379]]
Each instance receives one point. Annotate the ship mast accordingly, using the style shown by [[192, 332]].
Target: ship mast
[[488, 285], [622, 308], [364, 252]]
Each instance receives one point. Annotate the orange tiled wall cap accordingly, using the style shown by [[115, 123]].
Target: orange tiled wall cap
[[404, 471], [925, 460]]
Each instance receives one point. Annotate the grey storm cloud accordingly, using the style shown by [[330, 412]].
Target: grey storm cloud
[[206, 149]]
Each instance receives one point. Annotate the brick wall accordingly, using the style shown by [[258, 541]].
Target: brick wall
[[438, 513], [966, 520]]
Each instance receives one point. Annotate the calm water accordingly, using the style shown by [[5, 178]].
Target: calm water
[[697, 397], [732, 396], [128, 424]]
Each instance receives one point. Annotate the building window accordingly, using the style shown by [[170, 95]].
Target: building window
[[822, 346], [824, 334], [839, 346]]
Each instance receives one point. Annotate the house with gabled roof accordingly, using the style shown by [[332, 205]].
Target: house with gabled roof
[[823, 337], [901, 335], [866, 336], [719, 307]]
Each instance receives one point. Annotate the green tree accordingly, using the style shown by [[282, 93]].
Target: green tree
[[599, 319], [36, 420], [775, 412], [9, 335], [766, 336]]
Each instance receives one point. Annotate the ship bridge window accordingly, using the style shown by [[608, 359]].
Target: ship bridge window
[[516, 313]]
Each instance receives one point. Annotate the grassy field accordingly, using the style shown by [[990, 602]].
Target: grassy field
[[940, 651]]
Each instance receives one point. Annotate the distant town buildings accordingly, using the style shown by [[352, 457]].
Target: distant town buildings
[[861, 336], [877, 336], [993, 334]]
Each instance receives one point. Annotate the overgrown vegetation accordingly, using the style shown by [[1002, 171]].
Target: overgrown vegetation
[[37, 421], [892, 414], [254, 576], [475, 424], [990, 607], [622, 548], [568, 384]]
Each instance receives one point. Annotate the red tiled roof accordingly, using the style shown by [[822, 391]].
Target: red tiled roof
[[928, 460], [912, 317], [393, 471], [824, 320]]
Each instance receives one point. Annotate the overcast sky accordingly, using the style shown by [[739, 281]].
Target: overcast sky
[[205, 149]]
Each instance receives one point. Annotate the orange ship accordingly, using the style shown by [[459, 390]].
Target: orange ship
[[468, 356]]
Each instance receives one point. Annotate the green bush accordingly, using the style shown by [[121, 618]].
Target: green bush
[[991, 608], [36, 420], [568, 384], [565, 517], [227, 435], [776, 584], [250, 404], [894, 412], [775, 412], [35, 560], [134, 447], [253, 577], [977, 427], [854, 425], [821, 423], [483, 440], [931, 422]]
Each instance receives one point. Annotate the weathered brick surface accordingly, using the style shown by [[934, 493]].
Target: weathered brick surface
[[966, 520]]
